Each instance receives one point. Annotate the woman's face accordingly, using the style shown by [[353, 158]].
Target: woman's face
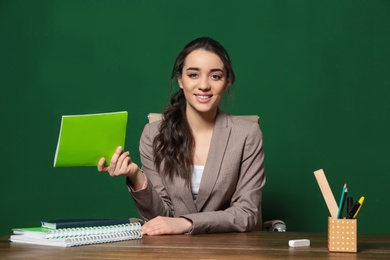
[[203, 81]]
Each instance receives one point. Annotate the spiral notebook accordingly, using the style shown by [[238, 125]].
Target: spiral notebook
[[68, 237]]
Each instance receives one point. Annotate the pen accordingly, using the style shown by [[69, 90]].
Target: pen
[[355, 209], [349, 203], [342, 201]]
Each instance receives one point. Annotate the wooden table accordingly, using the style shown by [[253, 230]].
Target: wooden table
[[252, 245]]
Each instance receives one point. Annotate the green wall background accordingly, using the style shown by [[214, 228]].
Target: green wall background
[[317, 72]]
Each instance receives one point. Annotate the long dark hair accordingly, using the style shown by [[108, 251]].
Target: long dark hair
[[173, 147]]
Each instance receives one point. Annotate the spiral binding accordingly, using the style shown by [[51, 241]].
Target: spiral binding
[[103, 238], [97, 231]]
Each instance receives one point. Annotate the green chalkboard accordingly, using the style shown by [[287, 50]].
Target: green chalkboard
[[317, 73]]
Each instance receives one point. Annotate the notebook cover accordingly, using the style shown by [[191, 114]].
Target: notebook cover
[[74, 223], [84, 139]]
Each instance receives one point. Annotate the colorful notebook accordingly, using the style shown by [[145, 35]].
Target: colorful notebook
[[76, 236], [47, 233], [77, 241], [84, 139]]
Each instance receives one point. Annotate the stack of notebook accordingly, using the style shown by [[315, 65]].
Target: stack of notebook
[[77, 232]]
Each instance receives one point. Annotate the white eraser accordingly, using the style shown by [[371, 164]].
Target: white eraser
[[299, 242]]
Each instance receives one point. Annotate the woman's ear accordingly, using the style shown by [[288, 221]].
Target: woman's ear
[[179, 82]]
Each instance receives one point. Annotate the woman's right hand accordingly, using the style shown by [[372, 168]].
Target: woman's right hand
[[120, 165]]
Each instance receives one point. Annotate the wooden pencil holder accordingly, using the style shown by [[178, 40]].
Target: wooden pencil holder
[[342, 235]]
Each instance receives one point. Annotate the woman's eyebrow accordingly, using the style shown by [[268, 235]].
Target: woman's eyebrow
[[212, 70], [192, 68]]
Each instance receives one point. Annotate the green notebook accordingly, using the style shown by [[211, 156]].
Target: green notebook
[[47, 233], [84, 139]]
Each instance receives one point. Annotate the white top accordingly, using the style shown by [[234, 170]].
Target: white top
[[195, 180]]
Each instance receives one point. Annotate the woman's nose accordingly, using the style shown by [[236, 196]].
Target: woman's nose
[[204, 84]]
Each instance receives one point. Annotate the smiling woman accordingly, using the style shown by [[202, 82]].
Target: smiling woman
[[202, 169], [203, 83]]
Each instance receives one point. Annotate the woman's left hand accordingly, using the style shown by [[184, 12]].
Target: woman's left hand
[[166, 226]]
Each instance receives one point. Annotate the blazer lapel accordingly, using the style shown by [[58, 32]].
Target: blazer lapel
[[216, 154], [183, 192]]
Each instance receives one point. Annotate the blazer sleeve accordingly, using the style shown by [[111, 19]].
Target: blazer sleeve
[[245, 205], [153, 200]]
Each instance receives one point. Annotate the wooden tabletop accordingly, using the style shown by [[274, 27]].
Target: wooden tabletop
[[251, 245]]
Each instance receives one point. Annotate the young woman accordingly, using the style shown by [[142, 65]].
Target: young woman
[[202, 169]]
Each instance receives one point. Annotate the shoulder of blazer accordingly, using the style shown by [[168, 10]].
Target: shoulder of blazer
[[226, 120]]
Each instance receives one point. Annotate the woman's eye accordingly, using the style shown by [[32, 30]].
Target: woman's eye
[[216, 77], [192, 75]]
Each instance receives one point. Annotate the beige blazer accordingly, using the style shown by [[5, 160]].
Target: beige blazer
[[231, 187]]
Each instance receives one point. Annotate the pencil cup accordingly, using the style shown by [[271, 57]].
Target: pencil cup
[[342, 235]]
